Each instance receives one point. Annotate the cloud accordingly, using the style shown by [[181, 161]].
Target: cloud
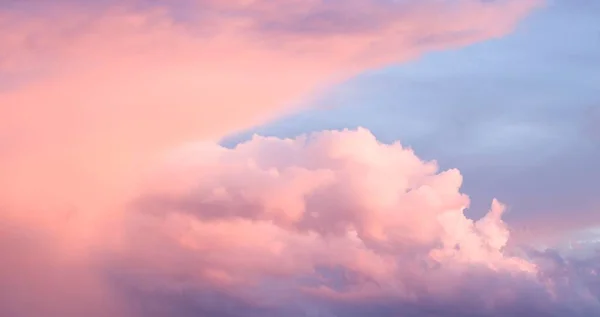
[[90, 95], [80, 82], [333, 223], [44, 274]]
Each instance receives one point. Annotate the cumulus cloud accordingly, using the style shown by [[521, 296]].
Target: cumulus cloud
[[329, 224], [337, 224]]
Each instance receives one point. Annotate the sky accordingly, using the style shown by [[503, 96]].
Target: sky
[[517, 116], [299, 158]]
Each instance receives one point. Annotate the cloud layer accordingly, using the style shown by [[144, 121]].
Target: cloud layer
[[330, 224], [334, 223], [124, 82], [498, 112]]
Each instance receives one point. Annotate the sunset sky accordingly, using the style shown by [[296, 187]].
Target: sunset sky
[[288, 158]]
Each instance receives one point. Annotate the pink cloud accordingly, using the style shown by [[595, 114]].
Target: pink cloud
[[97, 90], [341, 185], [330, 221], [334, 222], [44, 274], [272, 227]]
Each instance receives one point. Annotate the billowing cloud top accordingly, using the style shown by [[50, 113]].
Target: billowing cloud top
[[331, 224]]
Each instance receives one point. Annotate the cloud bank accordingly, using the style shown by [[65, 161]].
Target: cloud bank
[[328, 224], [331, 224], [337, 224], [91, 91]]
